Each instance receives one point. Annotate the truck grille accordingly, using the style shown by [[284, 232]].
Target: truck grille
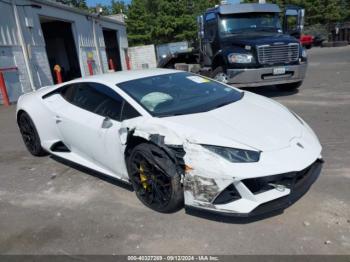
[[278, 54]]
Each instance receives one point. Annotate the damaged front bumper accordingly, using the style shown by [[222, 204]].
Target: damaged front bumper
[[250, 197]]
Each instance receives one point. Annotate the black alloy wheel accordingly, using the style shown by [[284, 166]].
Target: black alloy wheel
[[152, 185], [30, 135]]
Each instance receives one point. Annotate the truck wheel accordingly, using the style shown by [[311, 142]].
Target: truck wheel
[[289, 87], [154, 178], [219, 74]]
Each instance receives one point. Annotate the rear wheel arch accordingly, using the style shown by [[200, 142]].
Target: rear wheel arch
[[19, 113], [30, 134]]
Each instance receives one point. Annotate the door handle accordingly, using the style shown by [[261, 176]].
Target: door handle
[[107, 123], [58, 119]]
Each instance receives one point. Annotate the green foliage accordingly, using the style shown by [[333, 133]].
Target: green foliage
[[163, 21], [75, 3], [118, 7], [319, 11]]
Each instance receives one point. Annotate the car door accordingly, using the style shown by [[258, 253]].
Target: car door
[[108, 149], [74, 117], [89, 123]]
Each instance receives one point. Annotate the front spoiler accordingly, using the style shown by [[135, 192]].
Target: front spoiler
[[277, 205]]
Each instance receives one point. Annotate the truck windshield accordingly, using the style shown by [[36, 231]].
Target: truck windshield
[[179, 94], [238, 23]]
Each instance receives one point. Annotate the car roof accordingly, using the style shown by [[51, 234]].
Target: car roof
[[124, 76]]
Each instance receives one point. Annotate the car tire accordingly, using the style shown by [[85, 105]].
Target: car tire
[[30, 135], [154, 178], [220, 74], [308, 46], [289, 87]]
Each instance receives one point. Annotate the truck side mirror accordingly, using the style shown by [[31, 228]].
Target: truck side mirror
[[294, 18], [200, 24], [301, 16]]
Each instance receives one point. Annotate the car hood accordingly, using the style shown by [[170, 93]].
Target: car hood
[[254, 122]]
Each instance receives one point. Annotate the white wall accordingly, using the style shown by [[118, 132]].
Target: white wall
[[11, 54], [35, 43]]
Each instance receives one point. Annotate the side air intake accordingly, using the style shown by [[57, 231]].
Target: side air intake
[[59, 147]]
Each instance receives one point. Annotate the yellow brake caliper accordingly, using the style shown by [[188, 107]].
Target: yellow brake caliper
[[143, 177]]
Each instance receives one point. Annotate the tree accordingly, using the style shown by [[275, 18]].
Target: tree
[[118, 7], [164, 21], [76, 3], [139, 23], [318, 11]]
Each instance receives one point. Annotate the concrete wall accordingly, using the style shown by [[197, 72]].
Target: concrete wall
[[11, 52]]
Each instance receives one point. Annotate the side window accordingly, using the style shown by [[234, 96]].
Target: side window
[[67, 92], [210, 16], [94, 97], [87, 97], [111, 105], [210, 27], [129, 112]]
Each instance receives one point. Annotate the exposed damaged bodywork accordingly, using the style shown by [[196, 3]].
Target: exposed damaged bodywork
[[176, 153], [209, 181]]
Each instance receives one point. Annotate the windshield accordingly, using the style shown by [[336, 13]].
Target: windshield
[[179, 94], [238, 23]]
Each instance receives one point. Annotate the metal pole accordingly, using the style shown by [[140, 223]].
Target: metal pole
[[23, 45], [96, 44]]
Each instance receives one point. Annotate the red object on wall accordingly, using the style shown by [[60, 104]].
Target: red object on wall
[[3, 88], [58, 73], [127, 59], [111, 64], [91, 70]]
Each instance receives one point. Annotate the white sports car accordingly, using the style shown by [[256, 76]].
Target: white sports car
[[178, 138]]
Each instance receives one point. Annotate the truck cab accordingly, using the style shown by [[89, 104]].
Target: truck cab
[[249, 45]]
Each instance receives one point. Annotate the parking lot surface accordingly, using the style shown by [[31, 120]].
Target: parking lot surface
[[47, 207]]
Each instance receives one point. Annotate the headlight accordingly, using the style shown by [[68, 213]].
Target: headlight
[[235, 155], [240, 58], [304, 53]]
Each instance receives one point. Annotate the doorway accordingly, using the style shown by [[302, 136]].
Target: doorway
[[60, 48], [112, 48]]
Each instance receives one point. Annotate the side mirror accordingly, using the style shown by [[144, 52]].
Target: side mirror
[[301, 16], [294, 19], [107, 123], [200, 24]]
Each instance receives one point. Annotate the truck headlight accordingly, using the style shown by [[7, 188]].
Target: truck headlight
[[240, 58], [235, 155], [304, 53]]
